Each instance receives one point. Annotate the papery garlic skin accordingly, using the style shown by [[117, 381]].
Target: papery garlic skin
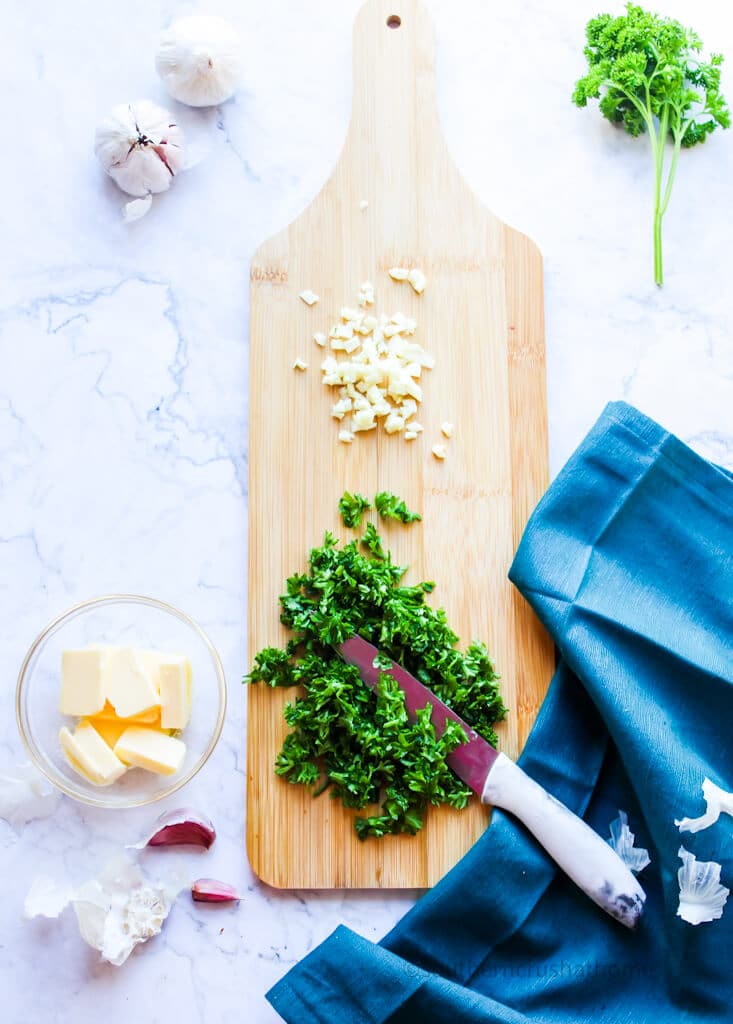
[[717, 801], [199, 59], [25, 795], [702, 897], [636, 858], [136, 209], [47, 898], [115, 912], [140, 146]]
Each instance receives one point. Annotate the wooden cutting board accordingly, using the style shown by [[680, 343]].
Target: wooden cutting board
[[481, 315]]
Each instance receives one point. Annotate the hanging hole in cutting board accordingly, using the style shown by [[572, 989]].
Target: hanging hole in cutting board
[[394, 21]]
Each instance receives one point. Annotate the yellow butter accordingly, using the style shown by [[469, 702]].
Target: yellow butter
[[126, 685], [175, 692], [151, 749], [89, 755], [110, 729], [82, 682], [150, 663], [108, 714]]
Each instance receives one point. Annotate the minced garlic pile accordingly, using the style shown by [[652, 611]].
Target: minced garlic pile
[[378, 379]]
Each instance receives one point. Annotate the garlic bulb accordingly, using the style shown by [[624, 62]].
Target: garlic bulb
[[140, 146], [199, 59]]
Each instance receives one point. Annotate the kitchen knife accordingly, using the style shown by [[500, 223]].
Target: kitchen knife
[[583, 855]]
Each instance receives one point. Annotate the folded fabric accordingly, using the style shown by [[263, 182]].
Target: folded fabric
[[628, 561]]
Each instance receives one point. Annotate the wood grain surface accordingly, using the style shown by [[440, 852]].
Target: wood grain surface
[[481, 316]]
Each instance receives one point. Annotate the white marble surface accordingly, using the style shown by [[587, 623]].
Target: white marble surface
[[123, 388]]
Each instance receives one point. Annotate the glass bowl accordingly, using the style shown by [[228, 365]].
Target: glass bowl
[[124, 620]]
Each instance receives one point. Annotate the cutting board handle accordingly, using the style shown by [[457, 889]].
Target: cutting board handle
[[394, 99]]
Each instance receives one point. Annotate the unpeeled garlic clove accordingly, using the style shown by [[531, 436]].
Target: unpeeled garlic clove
[[182, 827], [209, 890]]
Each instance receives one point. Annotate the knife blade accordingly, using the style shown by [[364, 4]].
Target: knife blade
[[586, 857]]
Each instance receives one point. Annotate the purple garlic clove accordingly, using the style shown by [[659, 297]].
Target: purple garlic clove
[[182, 827], [208, 890]]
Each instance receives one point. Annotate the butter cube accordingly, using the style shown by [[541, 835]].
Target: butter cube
[[89, 755], [82, 688], [148, 748], [150, 664], [175, 692], [126, 684]]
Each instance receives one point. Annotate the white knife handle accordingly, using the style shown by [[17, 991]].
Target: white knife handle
[[583, 855]]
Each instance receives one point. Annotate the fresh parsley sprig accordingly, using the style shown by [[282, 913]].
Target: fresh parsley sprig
[[648, 75]]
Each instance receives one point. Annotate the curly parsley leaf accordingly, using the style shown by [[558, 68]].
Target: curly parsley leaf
[[359, 744], [351, 507], [390, 506]]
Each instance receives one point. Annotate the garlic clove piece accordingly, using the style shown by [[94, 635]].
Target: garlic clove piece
[[209, 890], [180, 827], [418, 280], [199, 59], [140, 146]]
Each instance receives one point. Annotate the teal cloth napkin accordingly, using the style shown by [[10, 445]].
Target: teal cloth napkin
[[628, 561]]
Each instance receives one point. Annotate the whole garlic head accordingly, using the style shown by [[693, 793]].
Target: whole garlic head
[[140, 146], [199, 59]]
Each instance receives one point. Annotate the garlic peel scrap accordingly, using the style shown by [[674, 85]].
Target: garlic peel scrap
[[622, 841], [702, 897], [47, 898], [115, 912], [140, 146], [717, 802], [136, 209], [25, 795]]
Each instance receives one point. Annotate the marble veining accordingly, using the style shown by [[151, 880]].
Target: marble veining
[[123, 391]]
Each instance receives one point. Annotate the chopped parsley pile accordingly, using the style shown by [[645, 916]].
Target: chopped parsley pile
[[345, 737]]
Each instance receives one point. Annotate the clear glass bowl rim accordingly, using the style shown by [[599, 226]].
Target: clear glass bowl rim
[[38, 758]]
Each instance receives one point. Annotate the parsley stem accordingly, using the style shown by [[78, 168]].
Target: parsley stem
[[658, 147]]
